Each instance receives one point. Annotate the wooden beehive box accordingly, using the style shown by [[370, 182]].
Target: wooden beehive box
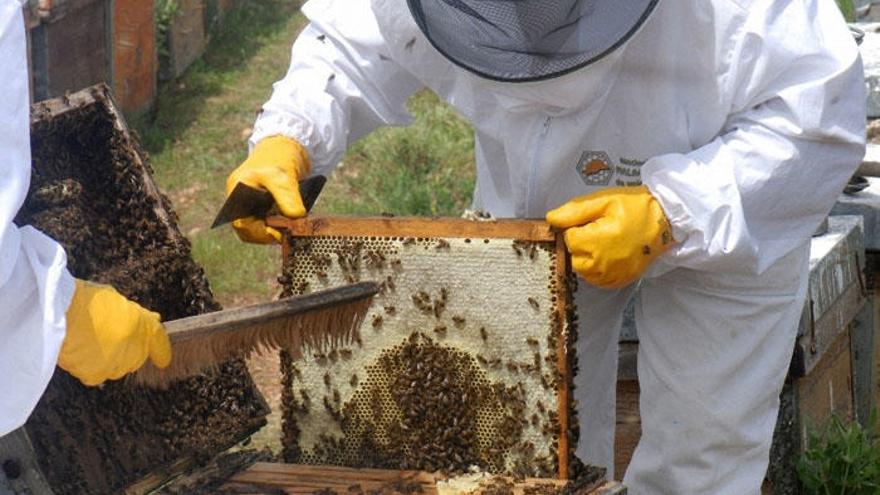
[[186, 38], [92, 191], [135, 62], [268, 478], [70, 48], [465, 357]]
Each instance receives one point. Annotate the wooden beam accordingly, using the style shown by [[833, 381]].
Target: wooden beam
[[353, 226]]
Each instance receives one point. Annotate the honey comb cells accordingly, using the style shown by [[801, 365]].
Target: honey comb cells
[[91, 191], [457, 362]]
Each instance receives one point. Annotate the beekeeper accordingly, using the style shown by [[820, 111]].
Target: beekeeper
[[48, 316], [688, 147]]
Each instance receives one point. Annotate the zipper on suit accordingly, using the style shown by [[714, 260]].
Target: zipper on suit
[[531, 185]]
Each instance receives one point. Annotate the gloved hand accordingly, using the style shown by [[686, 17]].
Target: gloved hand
[[613, 234], [277, 164], [109, 336]]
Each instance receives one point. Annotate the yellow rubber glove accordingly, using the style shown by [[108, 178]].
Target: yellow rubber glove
[[614, 234], [277, 164], [109, 336]]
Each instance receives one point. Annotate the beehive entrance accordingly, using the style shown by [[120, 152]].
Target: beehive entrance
[[458, 362]]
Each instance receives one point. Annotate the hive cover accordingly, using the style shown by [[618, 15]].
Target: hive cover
[[463, 359]]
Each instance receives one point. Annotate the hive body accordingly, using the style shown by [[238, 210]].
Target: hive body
[[462, 360]]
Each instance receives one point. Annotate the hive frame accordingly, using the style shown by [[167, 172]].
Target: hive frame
[[521, 230]]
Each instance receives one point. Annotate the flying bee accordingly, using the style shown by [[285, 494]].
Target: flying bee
[[346, 353], [532, 341], [390, 310], [354, 381], [484, 334], [377, 321], [482, 360], [440, 329], [534, 303], [458, 320], [327, 378]]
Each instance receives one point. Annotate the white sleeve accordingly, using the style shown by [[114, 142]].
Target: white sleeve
[[342, 84], [794, 137], [35, 287]]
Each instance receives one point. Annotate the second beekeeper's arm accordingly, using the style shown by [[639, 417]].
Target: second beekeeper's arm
[[793, 138], [340, 86]]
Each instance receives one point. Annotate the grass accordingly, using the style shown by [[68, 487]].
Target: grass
[[199, 134], [425, 169]]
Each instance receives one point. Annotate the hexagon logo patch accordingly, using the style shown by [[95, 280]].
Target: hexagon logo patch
[[595, 168]]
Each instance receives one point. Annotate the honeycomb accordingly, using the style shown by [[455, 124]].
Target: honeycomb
[[456, 364]]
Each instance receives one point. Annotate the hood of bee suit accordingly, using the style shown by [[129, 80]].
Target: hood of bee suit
[[528, 40]]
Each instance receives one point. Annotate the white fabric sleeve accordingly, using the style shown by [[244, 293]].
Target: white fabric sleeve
[[794, 137], [341, 84], [35, 286]]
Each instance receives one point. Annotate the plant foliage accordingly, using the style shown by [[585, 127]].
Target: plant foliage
[[848, 8], [166, 11], [842, 459]]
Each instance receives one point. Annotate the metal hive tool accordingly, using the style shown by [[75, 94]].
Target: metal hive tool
[[464, 358]]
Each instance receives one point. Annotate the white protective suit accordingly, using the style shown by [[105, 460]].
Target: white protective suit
[[35, 286], [744, 118]]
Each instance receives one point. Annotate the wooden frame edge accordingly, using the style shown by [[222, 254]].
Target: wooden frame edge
[[370, 226]]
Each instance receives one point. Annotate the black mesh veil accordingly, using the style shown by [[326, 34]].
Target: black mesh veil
[[527, 40]]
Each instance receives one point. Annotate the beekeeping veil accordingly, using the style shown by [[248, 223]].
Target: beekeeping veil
[[528, 40]]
